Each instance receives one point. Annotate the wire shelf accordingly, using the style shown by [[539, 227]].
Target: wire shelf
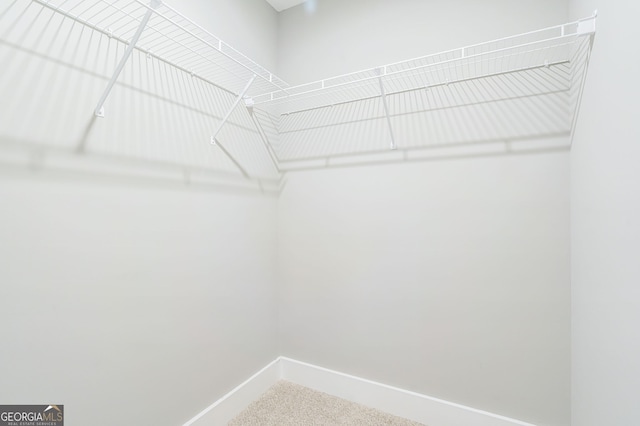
[[516, 88], [59, 56], [173, 38], [547, 47]]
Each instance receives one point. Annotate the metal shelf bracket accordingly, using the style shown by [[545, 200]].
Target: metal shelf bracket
[[153, 4], [233, 107], [249, 103], [383, 96]]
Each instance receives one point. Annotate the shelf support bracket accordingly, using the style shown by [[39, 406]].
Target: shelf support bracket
[[99, 111], [217, 143], [383, 96], [263, 136], [233, 107]]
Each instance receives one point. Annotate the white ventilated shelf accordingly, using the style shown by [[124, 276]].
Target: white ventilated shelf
[[521, 88], [173, 38], [516, 88], [545, 48]]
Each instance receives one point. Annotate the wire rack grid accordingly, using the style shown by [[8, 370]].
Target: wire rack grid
[[172, 38], [546, 48]]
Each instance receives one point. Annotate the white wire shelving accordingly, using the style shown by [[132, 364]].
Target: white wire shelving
[[518, 87], [175, 48], [536, 49], [514, 88], [163, 33]]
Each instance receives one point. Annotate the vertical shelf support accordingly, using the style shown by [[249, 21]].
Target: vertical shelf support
[[263, 136], [383, 95], [99, 111], [217, 143], [233, 107]]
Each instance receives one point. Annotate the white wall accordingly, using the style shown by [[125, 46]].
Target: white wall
[[129, 299], [605, 226], [249, 26], [345, 36], [151, 300], [450, 277]]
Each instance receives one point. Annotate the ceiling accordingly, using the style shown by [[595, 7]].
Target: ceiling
[[281, 5]]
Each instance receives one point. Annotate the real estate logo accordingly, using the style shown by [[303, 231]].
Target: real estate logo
[[32, 415]]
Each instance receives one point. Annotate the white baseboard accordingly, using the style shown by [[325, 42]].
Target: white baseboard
[[229, 406], [399, 402], [410, 405]]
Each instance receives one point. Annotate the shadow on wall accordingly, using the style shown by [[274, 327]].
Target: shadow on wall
[[158, 119]]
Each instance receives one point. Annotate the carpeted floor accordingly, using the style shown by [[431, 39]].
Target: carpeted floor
[[288, 404]]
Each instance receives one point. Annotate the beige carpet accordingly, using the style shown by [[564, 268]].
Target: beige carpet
[[288, 404]]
